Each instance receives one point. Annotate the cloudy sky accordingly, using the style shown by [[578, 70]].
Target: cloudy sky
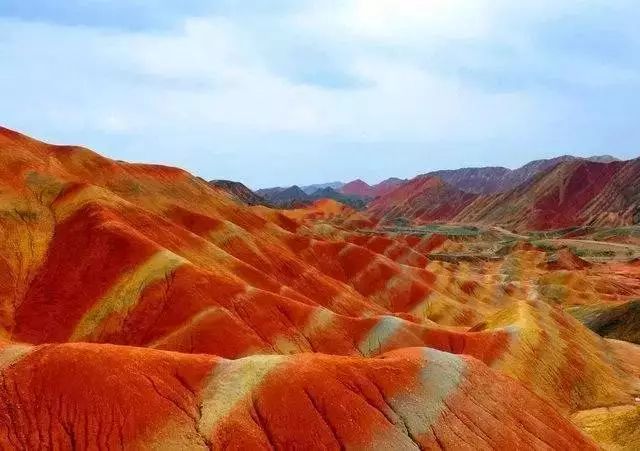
[[277, 92]]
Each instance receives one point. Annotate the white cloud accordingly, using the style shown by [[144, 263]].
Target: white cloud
[[211, 75], [390, 20], [206, 74]]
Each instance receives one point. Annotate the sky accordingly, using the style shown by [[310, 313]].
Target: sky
[[281, 92]]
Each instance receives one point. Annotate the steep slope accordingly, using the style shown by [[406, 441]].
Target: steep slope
[[421, 200], [240, 192], [572, 193], [621, 321], [525, 173]]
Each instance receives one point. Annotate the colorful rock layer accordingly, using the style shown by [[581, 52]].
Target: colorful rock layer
[[142, 308]]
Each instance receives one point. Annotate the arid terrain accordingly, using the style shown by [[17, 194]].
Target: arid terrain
[[142, 307]]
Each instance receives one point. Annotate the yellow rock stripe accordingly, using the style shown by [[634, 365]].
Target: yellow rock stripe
[[231, 382], [125, 294], [12, 353]]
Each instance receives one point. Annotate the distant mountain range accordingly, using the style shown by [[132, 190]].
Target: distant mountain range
[[311, 189], [295, 196], [288, 197], [557, 193], [480, 180], [357, 202], [307, 189], [485, 180], [543, 194], [363, 189], [574, 192]]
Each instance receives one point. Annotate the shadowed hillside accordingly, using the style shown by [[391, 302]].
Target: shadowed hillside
[[240, 192]]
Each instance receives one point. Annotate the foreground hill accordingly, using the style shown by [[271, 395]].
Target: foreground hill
[[142, 308]]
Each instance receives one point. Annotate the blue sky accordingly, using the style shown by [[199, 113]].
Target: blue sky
[[280, 92]]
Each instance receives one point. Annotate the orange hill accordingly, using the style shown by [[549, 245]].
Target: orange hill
[[142, 308]]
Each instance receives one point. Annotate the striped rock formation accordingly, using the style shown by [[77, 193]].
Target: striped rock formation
[[560, 193], [578, 192], [142, 308]]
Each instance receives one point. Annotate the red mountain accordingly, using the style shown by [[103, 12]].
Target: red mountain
[[386, 186], [422, 199], [357, 188], [488, 180], [572, 193], [363, 189]]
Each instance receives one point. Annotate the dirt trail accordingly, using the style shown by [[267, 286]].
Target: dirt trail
[[598, 244], [509, 233]]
